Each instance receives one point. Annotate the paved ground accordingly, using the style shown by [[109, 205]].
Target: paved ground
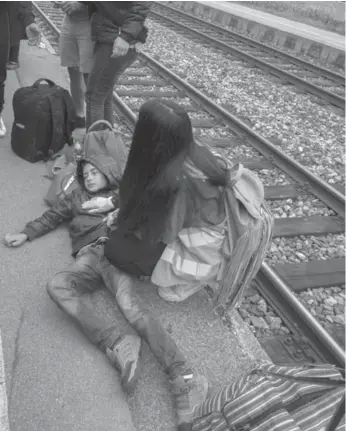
[[55, 379], [328, 38]]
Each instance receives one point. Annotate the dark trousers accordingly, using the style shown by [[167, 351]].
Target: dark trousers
[[70, 289], [102, 78], [13, 55], [4, 49]]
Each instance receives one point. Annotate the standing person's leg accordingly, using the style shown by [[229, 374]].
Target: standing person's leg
[[104, 75], [70, 290], [13, 57], [69, 55], [4, 48], [189, 389]]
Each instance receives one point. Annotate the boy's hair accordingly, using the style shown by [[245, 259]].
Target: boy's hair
[[161, 141]]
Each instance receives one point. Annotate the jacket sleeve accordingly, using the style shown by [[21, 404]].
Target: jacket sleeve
[[25, 13], [50, 219], [134, 20]]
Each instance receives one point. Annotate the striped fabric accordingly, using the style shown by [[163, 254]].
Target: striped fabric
[[260, 401]]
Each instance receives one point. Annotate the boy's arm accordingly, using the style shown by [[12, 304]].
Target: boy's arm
[[50, 219]]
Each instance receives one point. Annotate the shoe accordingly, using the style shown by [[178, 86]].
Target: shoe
[[2, 128], [178, 293], [11, 65], [190, 391], [125, 356]]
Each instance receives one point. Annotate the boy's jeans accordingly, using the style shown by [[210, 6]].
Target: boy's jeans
[[69, 290], [102, 78]]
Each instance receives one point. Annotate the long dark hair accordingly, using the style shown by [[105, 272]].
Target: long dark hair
[[161, 142]]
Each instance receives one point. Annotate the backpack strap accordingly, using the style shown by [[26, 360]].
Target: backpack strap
[[57, 125], [104, 122]]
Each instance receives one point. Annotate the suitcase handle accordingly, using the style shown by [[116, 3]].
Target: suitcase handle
[[105, 122], [50, 83]]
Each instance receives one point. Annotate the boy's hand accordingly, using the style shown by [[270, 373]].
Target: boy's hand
[[120, 47], [98, 205], [15, 240]]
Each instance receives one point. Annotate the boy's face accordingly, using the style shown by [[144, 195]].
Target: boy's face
[[94, 180]]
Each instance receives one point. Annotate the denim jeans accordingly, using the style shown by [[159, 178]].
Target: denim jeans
[[103, 76], [69, 289]]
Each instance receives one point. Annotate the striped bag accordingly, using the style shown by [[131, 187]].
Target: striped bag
[[277, 398]]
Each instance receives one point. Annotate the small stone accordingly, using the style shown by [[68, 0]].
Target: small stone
[[243, 313], [259, 322], [254, 299], [285, 330], [328, 308], [340, 319], [262, 306], [274, 322], [329, 318], [300, 255], [330, 302]]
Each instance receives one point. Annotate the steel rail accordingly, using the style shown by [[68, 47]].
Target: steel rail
[[266, 277], [288, 77], [279, 295], [274, 289], [319, 70], [312, 184]]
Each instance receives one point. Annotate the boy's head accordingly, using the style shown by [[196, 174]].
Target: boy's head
[[94, 180]]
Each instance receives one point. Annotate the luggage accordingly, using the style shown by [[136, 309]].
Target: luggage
[[44, 117], [277, 398], [107, 142]]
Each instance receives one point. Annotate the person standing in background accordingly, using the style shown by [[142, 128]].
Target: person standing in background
[[118, 30], [76, 52], [24, 25]]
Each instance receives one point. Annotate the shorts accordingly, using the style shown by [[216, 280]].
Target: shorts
[[76, 46]]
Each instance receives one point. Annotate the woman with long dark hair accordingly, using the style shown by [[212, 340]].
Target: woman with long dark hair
[[171, 226]]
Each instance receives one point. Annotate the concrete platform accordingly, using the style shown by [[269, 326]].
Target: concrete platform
[[326, 46], [56, 380]]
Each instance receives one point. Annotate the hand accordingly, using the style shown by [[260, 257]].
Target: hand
[[98, 205], [120, 47], [33, 34], [71, 7], [111, 218], [15, 240]]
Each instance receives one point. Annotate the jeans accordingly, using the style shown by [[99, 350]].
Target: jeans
[[104, 75], [68, 290]]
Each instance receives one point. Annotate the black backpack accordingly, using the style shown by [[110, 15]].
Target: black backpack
[[44, 118]]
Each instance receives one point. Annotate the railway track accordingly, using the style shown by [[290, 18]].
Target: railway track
[[147, 78], [325, 84]]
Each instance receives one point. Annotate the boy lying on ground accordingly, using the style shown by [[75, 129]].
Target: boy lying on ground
[[69, 288]]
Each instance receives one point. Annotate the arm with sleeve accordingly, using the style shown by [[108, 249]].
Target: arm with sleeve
[[50, 219]]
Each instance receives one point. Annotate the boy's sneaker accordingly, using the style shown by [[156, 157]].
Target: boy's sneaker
[[2, 128], [178, 293], [125, 356], [190, 390]]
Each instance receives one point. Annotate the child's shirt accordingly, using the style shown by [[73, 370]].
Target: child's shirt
[[84, 228]]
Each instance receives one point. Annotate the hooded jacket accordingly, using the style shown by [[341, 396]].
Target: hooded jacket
[[118, 18], [84, 228]]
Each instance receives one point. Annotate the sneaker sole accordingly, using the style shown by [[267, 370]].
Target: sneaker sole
[[131, 373], [186, 426]]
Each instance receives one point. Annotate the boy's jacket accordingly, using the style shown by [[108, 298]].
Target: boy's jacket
[[84, 227]]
